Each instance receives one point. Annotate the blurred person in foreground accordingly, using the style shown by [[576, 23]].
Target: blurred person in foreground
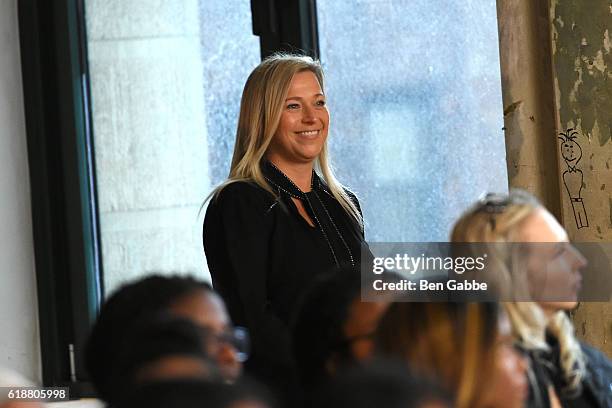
[[467, 347], [387, 384], [162, 347], [146, 298], [333, 328], [194, 393], [563, 371]]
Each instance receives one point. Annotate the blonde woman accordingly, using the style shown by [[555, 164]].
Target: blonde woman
[[563, 371], [467, 347], [281, 218]]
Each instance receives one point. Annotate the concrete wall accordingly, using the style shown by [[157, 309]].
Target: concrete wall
[[556, 71], [528, 97], [19, 339], [150, 135], [582, 66]]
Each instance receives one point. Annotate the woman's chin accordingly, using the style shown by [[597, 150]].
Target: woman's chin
[[310, 155], [559, 306]]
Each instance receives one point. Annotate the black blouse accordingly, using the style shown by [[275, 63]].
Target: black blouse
[[262, 253], [596, 387]]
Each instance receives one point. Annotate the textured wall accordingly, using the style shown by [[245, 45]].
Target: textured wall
[[582, 63], [555, 57], [19, 340], [528, 99], [150, 134]]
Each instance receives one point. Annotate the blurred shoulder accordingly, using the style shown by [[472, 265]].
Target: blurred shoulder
[[599, 374], [597, 359]]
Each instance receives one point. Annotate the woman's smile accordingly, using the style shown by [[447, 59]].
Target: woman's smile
[[309, 133], [303, 125]]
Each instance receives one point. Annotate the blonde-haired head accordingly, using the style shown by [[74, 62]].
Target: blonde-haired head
[[453, 342], [500, 221], [261, 107]]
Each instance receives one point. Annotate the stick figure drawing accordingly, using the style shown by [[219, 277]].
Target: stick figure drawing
[[573, 177]]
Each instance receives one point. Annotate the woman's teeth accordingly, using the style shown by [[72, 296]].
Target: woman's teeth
[[308, 133]]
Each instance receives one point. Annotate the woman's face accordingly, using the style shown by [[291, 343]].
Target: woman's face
[[554, 264], [304, 123], [507, 386], [207, 310], [360, 326]]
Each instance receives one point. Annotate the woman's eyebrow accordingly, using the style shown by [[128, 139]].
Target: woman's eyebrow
[[300, 98]]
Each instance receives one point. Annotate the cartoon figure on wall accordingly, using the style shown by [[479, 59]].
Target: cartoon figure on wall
[[573, 177]]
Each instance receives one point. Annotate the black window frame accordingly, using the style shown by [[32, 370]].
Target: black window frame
[[61, 161]]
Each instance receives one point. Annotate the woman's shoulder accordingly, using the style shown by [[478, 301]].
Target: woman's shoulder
[[245, 194], [599, 369], [596, 360], [325, 187], [241, 187]]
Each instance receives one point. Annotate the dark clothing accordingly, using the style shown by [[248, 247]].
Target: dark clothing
[[262, 253], [598, 383], [538, 376], [596, 387]]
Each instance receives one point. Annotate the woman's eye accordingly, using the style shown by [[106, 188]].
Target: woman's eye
[[559, 250], [293, 106], [321, 103]]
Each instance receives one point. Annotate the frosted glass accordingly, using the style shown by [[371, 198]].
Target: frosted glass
[[414, 91], [166, 79]]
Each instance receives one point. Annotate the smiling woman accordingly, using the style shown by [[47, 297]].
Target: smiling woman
[[303, 126], [281, 218]]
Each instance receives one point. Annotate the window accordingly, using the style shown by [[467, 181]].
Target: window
[[166, 83], [414, 91]]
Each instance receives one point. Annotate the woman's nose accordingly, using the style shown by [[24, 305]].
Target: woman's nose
[[308, 115], [579, 260], [227, 354]]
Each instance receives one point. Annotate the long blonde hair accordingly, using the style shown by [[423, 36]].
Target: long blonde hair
[[261, 107], [529, 323], [453, 342]]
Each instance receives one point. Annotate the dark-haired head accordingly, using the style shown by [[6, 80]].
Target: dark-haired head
[[382, 383], [159, 348], [468, 347], [333, 328], [197, 394], [129, 304]]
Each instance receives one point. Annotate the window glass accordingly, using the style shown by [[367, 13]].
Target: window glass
[[166, 79], [414, 91]]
